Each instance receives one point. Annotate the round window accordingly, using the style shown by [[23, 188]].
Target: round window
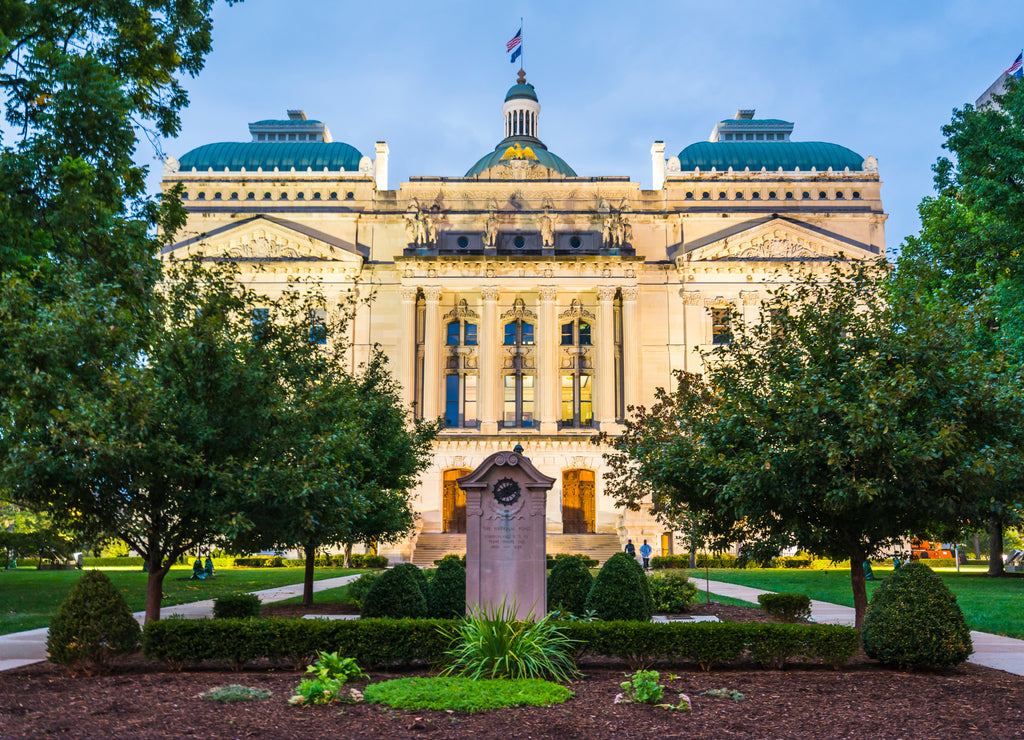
[[350, 195], [574, 242], [520, 242], [463, 242]]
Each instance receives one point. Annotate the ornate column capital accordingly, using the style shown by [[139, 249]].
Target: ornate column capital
[[409, 292], [548, 292], [606, 293], [691, 297], [432, 292], [750, 297], [490, 293], [630, 293]]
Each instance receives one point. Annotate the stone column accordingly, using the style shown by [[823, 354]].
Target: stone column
[[631, 360], [489, 369], [751, 307], [604, 382], [407, 344], [693, 328], [548, 384], [432, 354]]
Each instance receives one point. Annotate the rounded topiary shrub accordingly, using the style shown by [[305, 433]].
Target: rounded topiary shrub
[[448, 590], [397, 593], [91, 626], [236, 606], [620, 591], [361, 586], [569, 583], [913, 621]]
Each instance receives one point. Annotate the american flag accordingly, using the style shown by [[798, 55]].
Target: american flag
[[518, 39], [1015, 69]]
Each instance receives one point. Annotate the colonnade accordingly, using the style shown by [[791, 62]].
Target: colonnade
[[546, 353]]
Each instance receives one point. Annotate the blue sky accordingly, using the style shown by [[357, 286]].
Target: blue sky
[[429, 78]]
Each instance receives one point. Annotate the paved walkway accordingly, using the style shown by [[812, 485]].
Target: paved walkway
[[22, 648], [994, 651]]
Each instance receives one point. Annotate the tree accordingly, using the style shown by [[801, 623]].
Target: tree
[[345, 467], [967, 259], [831, 424]]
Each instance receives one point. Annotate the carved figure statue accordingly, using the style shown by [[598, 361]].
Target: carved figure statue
[[491, 230], [547, 230], [627, 232], [415, 225]]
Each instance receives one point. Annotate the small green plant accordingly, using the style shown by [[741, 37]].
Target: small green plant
[[329, 673], [491, 643], [459, 694], [672, 591], [641, 688], [236, 606], [91, 626], [235, 692], [724, 694], [621, 591], [787, 607]]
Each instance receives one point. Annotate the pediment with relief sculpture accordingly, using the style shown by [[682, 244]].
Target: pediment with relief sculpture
[[779, 241], [265, 240]]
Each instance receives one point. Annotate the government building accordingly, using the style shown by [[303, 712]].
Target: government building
[[523, 302]]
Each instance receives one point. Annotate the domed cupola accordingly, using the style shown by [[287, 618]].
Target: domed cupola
[[521, 149], [521, 110]]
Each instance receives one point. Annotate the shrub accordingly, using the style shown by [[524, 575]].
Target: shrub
[[448, 590], [569, 583], [367, 561], [913, 621], [236, 606], [658, 562], [398, 593], [620, 591], [642, 688], [787, 607], [491, 643], [91, 626], [358, 588], [461, 559], [671, 591], [586, 559]]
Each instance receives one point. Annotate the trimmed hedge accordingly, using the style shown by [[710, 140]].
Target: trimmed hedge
[[569, 582], [621, 591], [939, 562], [388, 642], [725, 560], [787, 607], [585, 559], [400, 592], [447, 597], [236, 606]]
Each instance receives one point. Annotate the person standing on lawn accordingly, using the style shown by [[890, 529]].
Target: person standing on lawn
[[645, 553]]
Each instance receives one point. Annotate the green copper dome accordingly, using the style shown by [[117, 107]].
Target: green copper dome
[[789, 155], [521, 90], [234, 156], [524, 147]]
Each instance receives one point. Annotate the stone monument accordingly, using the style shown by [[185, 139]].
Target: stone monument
[[506, 555]]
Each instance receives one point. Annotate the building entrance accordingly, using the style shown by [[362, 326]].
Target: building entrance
[[578, 502], [453, 515]]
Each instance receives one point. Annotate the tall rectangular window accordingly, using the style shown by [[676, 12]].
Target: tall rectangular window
[[469, 401], [720, 333], [586, 401], [568, 400], [528, 393], [451, 400], [260, 317], [318, 326]]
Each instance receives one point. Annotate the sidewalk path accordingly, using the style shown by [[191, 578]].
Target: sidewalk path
[[994, 651], [22, 648]]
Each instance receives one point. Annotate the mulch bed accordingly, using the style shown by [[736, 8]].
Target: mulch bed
[[861, 701]]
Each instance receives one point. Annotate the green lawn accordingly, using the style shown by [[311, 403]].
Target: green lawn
[[28, 598], [337, 595], [990, 604]]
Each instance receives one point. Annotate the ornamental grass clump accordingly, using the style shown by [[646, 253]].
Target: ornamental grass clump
[[93, 625], [492, 643], [913, 621]]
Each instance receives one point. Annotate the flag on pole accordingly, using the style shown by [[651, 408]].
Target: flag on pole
[[515, 45], [1017, 68]]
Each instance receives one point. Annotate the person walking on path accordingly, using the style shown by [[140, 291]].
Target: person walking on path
[[645, 553], [630, 548]]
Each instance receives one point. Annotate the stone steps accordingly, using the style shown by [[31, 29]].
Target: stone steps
[[431, 546]]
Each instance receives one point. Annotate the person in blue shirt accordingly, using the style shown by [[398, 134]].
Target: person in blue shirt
[[645, 553], [630, 548]]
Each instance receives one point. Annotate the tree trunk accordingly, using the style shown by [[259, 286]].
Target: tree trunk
[[860, 589], [995, 546], [693, 559], [977, 546], [307, 582], [348, 555], [155, 588]]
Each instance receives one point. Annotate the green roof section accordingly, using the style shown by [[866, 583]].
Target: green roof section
[[521, 90], [772, 155], [543, 157], [235, 156], [285, 122]]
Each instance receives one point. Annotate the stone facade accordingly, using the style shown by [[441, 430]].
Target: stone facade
[[522, 302]]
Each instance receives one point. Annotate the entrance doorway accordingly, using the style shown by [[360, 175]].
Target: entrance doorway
[[453, 514], [578, 501]]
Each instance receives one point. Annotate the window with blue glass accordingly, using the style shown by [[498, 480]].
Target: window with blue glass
[[460, 333], [318, 326], [518, 386], [460, 399], [260, 317]]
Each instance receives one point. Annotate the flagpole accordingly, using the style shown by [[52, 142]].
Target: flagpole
[[522, 54]]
